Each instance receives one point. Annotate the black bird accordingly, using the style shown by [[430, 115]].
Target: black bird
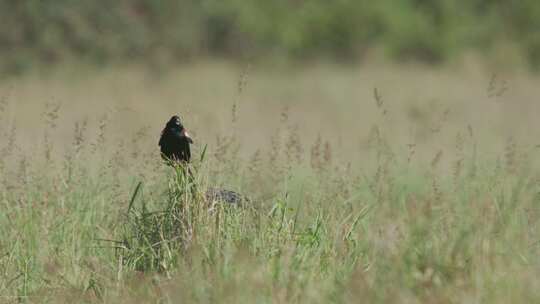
[[175, 141], [175, 146]]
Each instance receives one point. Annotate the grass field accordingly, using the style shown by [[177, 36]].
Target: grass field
[[368, 184]]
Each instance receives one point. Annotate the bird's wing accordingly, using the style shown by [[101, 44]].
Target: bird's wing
[[161, 137]]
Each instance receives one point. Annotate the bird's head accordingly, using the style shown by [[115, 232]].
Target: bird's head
[[176, 123]]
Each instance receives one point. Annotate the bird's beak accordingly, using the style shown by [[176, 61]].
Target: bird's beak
[[186, 135]]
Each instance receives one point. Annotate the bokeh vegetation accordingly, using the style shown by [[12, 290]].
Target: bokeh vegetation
[[178, 30], [374, 182]]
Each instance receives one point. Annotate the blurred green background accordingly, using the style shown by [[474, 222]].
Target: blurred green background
[[157, 31], [391, 149]]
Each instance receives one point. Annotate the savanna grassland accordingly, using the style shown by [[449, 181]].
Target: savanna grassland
[[367, 184]]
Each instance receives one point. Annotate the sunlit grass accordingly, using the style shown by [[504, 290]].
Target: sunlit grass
[[95, 216]]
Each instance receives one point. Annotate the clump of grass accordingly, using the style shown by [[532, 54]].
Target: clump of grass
[[154, 240]]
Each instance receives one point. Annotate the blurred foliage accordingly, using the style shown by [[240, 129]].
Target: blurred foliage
[[155, 31]]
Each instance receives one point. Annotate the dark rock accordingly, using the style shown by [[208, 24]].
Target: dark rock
[[226, 196]]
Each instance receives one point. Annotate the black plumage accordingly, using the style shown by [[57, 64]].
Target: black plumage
[[175, 141], [175, 147]]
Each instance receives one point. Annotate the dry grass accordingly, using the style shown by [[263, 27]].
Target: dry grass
[[381, 183]]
